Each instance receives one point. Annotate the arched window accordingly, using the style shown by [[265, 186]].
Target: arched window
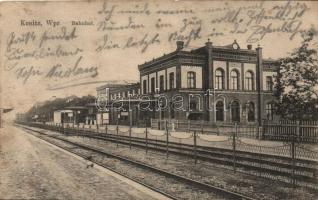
[[219, 111], [191, 79], [219, 79], [251, 112], [235, 111], [249, 80], [234, 80], [269, 111]]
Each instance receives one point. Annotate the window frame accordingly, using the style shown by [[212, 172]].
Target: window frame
[[217, 111], [161, 83], [153, 85], [144, 85], [171, 80], [191, 79], [236, 78], [269, 110], [249, 80], [269, 83], [219, 79]]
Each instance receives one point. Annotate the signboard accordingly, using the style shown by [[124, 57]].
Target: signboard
[[124, 113]]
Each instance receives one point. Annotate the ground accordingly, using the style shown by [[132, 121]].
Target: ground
[[32, 169]]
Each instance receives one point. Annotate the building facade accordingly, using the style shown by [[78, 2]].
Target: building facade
[[118, 104], [220, 84]]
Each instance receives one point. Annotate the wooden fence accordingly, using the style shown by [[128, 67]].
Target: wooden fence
[[287, 130]]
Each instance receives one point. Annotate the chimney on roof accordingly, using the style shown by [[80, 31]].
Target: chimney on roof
[[249, 47], [180, 45], [209, 43]]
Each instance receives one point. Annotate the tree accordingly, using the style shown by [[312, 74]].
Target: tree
[[45, 109], [297, 81]]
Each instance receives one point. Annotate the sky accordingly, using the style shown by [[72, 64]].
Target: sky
[[120, 64]]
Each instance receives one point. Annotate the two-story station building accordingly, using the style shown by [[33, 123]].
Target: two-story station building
[[220, 84]]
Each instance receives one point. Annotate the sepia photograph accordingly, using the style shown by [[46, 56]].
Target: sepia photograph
[[159, 99]]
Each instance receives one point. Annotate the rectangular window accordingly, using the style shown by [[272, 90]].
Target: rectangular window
[[191, 79], [144, 86], [153, 86], [161, 83], [269, 111], [269, 83], [171, 80]]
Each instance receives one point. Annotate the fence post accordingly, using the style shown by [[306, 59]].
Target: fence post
[[167, 142], [234, 148], [97, 127], [146, 139], [130, 136], [189, 124], [293, 160], [202, 127], [293, 152], [117, 134], [106, 129], [298, 131], [195, 147], [262, 136]]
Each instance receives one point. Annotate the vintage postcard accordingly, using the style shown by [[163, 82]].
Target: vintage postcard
[[158, 99]]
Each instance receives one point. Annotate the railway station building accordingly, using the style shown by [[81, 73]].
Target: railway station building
[[220, 84]]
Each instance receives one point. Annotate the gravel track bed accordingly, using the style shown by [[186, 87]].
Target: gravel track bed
[[264, 156], [204, 172], [161, 182], [283, 179]]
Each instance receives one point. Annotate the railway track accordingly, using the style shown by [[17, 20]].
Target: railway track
[[226, 194], [269, 166]]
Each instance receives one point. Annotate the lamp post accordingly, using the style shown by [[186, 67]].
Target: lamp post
[[156, 95], [129, 109], [214, 107]]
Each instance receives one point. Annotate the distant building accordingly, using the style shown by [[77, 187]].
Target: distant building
[[73, 115], [20, 117], [221, 84], [110, 97]]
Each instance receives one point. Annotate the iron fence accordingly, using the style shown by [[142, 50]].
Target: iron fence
[[206, 127], [231, 142]]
